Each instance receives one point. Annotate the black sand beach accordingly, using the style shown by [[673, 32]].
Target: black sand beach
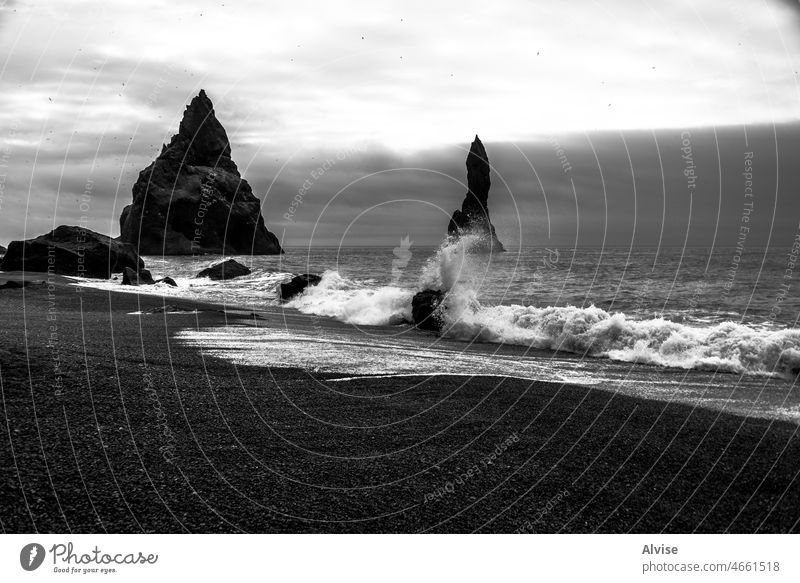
[[112, 426]]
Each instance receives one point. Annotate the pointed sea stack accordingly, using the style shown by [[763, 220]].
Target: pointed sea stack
[[473, 218], [192, 199]]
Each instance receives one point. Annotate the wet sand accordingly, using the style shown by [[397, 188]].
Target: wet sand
[[114, 426]]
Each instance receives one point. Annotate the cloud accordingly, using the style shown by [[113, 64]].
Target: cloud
[[92, 89], [620, 189]]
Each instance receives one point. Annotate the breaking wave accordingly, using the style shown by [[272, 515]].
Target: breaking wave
[[592, 331], [726, 347], [355, 302]]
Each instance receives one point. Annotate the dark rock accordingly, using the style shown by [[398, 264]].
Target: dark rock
[[225, 270], [71, 251], [425, 310], [13, 284], [192, 199], [297, 284], [2, 250], [132, 277], [167, 280], [473, 218]]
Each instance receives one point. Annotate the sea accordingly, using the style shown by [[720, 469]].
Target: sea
[[706, 327]]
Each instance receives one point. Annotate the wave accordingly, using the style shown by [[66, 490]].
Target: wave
[[247, 291], [355, 302], [363, 303], [726, 347], [594, 332]]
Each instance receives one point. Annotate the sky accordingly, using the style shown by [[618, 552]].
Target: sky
[[584, 109]]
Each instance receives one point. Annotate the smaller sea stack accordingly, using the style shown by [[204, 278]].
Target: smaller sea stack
[[473, 218]]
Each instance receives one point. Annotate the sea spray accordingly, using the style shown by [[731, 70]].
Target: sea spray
[[459, 272], [451, 265], [725, 347], [590, 331]]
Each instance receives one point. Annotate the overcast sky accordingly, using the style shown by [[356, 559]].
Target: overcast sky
[[393, 92]]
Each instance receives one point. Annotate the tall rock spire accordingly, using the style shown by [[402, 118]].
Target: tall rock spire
[[192, 199], [473, 218], [200, 136]]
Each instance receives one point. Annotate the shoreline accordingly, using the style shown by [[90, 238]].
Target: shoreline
[[114, 426], [751, 394]]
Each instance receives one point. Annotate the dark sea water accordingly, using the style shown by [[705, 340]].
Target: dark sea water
[[715, 328], [692, 285]]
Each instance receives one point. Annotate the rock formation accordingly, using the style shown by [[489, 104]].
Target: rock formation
[[473, 218], [192, 199], [425, 310], [2, 250], [133, 277], [224, 270], [15, 284], [297, 285], [72, 251], [144, 277]]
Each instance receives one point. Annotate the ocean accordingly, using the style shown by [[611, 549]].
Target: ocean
[[715, 328]]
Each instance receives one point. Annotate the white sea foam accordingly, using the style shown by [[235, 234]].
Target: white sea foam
[[355, 302], [337, 352], [363, 303], [592, 331], [728, 347], [252, 290], [452, 265]]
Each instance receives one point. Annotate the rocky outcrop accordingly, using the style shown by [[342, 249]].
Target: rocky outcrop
[[14, 284], [192, 199], [2, 250], [72, 251], [425, 310], [133, 277], [297, 285], [144, 277], [224, 270], [473, 218]]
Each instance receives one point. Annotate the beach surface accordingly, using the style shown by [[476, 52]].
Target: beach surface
[[114, 424]]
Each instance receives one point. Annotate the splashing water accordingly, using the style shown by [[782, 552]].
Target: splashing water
[[474, 308], [355, 303], [590, 331], [360, 303], [727, 347], [453, 265]]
